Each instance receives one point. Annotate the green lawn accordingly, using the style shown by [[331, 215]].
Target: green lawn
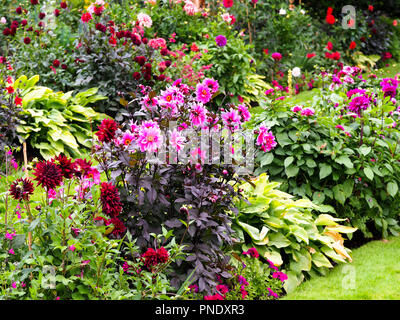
[[374, 274]]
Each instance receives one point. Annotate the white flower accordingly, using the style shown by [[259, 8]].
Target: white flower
[[282, 11], [144, 20], [296, 72], [3, 20], [302, 11], [226, 17]]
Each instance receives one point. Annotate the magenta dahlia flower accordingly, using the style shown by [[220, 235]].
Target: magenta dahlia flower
[[203, 93], [265, 139], [221, 40]]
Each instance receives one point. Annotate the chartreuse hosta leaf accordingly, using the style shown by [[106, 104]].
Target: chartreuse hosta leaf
[[310, 241], [55, 117]]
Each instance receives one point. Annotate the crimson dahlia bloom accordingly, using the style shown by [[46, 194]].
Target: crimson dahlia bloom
[[110, 200], [107, 130], [82, 167], [48, 174], [119, 227], [63, 5], [66, 165], [162, 255], [21, 189], [34, 2]]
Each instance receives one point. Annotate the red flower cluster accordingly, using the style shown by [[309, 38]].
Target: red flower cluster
[[228, 3], [81, 167], [333, 55], [154, 257], [66, 165], [21, 189], [330, 19], [107, 130], [352, 45], [48, 174], [119, 227], [110, 200]]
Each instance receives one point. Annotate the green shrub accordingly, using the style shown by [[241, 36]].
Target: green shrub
[[287, 232], [56, 122]]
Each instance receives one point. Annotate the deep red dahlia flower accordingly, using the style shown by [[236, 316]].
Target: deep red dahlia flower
[[34, 2], [63, 5], [48, 174], [56, 63], [352, 45], [150, 258], [119, 227], [27, 40], [136, 75], [56, 12], [18, 10], [21, 189], [107, 130], [110, 200], [141, 60], [41, 15], [81, 167], [66, 165], [162, 255]]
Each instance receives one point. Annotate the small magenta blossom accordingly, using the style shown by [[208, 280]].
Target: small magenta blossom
[[272, 293], [266, 139], [11, 251], [221, 40], [307, 112], [72, 248]]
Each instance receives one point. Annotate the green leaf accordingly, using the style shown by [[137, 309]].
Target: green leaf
[[292, 171], [392, 188], [299, 233], [288, 161], [324, 170], [278, 240], [253, 232], [320, 260], [369, 173], [345, 160], [364, 150]]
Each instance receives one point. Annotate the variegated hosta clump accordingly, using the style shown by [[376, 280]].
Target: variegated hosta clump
[[288, 232]]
